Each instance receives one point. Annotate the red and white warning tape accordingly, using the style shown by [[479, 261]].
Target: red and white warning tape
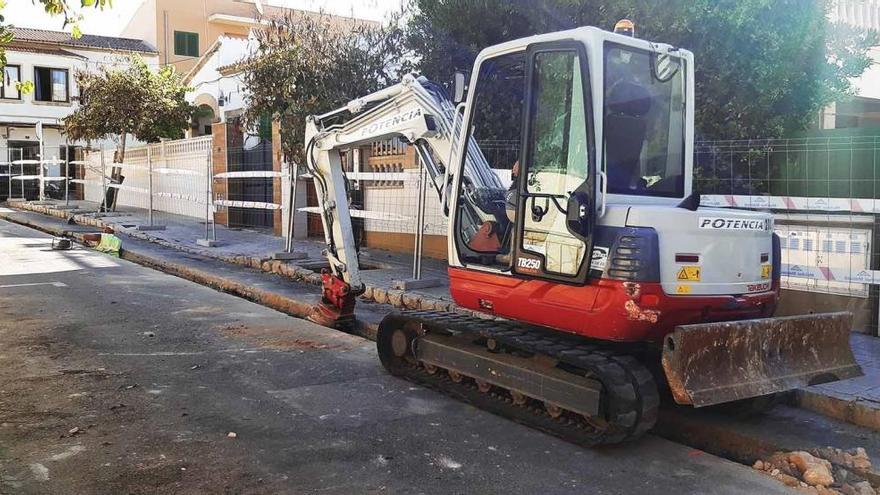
[[796, 203], [846, 275]]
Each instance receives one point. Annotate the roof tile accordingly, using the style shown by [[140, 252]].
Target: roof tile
[[85, 41]]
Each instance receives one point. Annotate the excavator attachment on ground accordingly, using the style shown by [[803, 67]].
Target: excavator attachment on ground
[[714, 363]]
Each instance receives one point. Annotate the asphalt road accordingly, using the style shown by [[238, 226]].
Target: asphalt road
[[118, 379]]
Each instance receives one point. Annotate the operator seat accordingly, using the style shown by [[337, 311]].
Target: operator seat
[[626, 119]]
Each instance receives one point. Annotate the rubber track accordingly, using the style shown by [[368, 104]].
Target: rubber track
[[630, 396]]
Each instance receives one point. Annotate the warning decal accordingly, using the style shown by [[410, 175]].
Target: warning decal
[[689, 273]]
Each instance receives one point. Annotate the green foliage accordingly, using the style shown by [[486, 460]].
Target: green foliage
[[130, 100], [764, 68], [307, 64], [24, 87]]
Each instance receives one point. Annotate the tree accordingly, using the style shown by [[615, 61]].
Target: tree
[[118, 101], [764, 68], [54, 8], [306, 64]]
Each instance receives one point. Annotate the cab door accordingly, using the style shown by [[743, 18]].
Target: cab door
[[556, 213]]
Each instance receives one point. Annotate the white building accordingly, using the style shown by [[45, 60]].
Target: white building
[[49, 60], [217, 86]]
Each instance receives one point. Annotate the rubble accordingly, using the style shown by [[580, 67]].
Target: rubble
[[823, 471]]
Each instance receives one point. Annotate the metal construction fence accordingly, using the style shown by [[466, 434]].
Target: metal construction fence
[[824, 194], [33, 173], [175, 180], [169, 176], [390, 203]]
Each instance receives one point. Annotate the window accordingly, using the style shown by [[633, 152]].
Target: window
[[826, 246], [855, 248], [50, 84], [557, 160], [11, 77], [186, 44], [794, 243], [840, 246], [483, 218], [644, 123], [808, 244]]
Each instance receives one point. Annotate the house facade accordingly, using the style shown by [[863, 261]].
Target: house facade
[[217, 88], [49, 60], [182, 32], [31, 120]]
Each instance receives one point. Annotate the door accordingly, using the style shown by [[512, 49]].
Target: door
[[556, 214], [482, 228]]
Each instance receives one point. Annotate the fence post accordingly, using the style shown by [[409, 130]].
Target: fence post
[[288, 253], [21, 171], [66, 174], [420, 225], [150, 225], [209, 200], [12, 163], [102, 208], [150, 183], [417, 282], [42, 183], [66, 205]]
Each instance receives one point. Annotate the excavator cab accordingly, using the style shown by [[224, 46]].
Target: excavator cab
[[582, 119]]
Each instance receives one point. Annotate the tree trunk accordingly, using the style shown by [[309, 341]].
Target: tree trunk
[[122, 137]]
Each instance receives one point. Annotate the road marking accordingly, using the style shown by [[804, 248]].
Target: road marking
[[53, 284]]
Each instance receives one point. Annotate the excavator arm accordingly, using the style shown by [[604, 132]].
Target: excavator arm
[[416, 110]]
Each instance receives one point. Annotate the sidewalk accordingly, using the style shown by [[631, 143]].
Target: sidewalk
[[235, 267], [856, 400]]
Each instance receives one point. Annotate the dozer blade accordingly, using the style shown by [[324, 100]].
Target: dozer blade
[[713, 363]]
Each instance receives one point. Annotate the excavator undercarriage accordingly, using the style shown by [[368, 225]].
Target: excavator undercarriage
[[586, 393]]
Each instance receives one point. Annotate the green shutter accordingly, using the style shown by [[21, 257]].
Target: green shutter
[[186, 44], [193, 44], [178, 42]]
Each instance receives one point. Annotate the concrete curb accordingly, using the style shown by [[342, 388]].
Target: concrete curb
[[382, 295], [852, 411]]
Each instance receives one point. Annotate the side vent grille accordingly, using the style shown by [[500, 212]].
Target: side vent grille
[[627, 260]]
